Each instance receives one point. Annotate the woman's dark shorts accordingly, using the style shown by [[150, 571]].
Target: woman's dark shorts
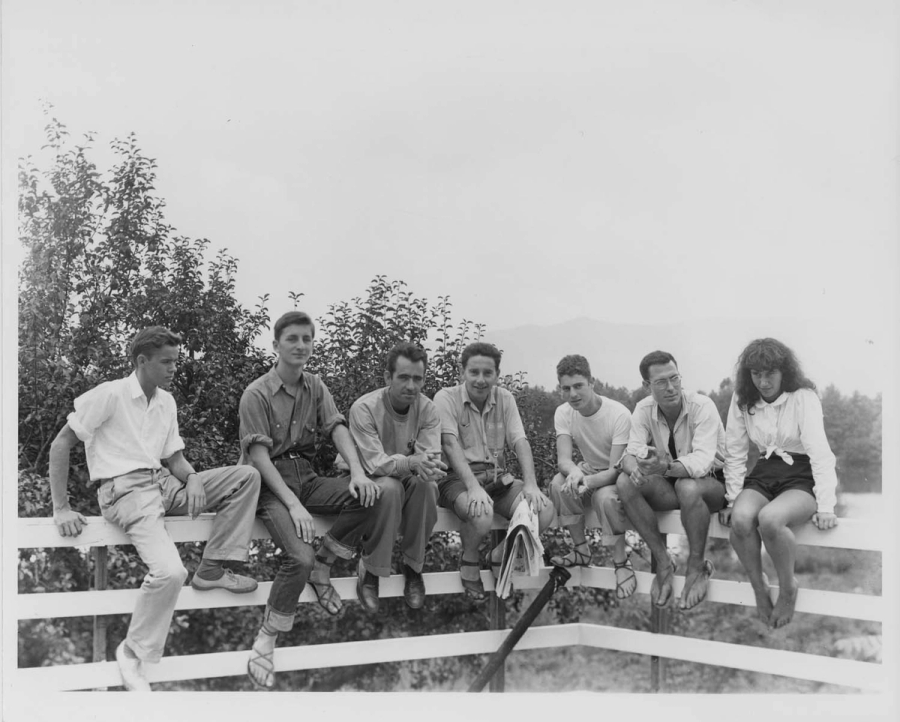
[[772, 476]]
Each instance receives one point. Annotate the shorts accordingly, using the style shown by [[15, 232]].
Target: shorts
[[771, 477], [504, 497]]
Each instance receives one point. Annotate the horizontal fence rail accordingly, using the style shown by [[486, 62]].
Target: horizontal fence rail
[[41, 532], [36, 533]]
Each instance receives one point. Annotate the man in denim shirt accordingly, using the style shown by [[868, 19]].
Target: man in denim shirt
[[280, 414]]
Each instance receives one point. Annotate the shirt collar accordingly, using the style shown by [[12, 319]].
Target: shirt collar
[[137, 391], [489, 403], [273, 381], [134, 386], [782, 399], [654, 409]]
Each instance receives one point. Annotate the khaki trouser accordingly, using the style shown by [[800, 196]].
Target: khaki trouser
[[138, 502]]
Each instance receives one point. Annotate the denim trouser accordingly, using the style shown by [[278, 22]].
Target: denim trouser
[[373, 528], [138, 501], [605, 500]]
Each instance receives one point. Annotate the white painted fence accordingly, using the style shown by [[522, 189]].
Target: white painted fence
[[848, 534]]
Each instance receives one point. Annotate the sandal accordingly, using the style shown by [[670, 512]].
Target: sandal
[[573, 558], [474, 588], [264, 661], [327, 595], [625, 579]]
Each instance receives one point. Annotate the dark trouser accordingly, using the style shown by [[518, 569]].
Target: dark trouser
[[354, 524]]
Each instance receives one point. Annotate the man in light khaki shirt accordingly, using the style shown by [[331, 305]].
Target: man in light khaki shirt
[[478, 419]]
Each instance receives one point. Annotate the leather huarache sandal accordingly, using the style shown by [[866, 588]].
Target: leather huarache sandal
[[327, 595], [474, 588], [625, 580], [265, 662], [574, 558]]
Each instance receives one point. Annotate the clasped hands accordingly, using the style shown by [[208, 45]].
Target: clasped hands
[[427, 465]]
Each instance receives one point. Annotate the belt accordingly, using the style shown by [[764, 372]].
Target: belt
[[290, 454]]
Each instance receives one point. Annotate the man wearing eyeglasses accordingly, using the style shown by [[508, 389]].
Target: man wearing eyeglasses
[[673, 460]]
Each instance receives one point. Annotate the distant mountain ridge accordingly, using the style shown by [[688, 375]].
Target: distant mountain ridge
[[706, 350]]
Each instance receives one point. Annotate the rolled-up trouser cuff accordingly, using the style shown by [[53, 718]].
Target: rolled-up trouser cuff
[[278, 621], [145, 654], [227, 554], [336, 548]]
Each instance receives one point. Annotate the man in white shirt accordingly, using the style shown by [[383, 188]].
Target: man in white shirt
[[599, 427], [673, 461], [128, 426]]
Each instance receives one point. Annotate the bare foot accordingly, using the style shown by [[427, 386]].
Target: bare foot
[[763, 600], [661, 590], [784, 607], [696, 583]]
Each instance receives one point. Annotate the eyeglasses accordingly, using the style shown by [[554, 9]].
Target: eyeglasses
[[662, 384]]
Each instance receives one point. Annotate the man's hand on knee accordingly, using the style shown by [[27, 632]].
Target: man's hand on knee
[[479, 502]]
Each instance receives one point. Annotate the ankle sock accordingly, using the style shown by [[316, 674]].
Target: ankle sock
[[210, 570]]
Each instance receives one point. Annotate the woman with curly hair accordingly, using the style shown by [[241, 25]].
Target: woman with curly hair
[[776, 408]]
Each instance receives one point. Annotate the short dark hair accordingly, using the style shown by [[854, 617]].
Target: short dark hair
[[574, 365], [151, 339], [655, 358], [293, 318], [480, 348], [767, 354], [407, 350]]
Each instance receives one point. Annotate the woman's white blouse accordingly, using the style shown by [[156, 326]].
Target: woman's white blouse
[[792, 424]]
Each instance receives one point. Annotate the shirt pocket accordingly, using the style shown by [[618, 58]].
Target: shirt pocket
[[468, 435]]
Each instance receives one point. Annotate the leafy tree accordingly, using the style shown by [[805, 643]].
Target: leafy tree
[[100, 263]]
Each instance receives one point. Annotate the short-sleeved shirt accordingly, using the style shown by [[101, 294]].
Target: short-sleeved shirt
[[386, 439], [595, 435], [122, 430], [480, 431], [278, 419], [699, 436]]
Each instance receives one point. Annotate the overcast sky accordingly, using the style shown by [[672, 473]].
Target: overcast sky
[[626, 161]]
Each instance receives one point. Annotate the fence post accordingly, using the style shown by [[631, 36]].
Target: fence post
[[659, 624], [101, 560], [497, 608]]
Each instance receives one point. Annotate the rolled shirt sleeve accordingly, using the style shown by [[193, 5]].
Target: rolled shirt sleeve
[[448, 413], [821, 457], [737, 448], [173, 443], [254, 420], [92, 408], [706, 425]]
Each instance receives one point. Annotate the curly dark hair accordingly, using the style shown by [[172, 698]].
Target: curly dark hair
[[767, 354]]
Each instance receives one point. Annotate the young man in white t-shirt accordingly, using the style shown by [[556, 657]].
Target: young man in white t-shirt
[[599, 427]]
